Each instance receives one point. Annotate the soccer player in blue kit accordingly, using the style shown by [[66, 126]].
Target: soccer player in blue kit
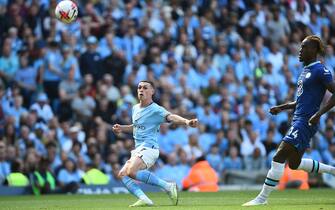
[[147, 117], [313, 82]]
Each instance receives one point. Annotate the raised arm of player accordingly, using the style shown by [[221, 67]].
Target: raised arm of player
[[176, 119], [276, 109], [117, 128], [330, 104]]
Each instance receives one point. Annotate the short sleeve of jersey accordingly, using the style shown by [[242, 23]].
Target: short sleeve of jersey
[[162, 113], [325, 75]]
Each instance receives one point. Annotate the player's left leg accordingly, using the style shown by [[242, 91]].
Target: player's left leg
[[309, 165], [150, 178]]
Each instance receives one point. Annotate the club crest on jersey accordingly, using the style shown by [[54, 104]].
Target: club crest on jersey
[[326, 71], [308, 75]]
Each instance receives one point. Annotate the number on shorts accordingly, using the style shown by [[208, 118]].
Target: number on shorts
[[293, 133]]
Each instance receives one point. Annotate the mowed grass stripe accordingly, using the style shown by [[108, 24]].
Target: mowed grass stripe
[[320, 199]]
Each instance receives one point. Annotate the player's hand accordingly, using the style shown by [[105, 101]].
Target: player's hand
[[314, 119], [192, 123], [275, 110], [117, 128]]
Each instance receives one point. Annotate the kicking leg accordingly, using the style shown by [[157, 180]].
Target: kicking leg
[[309, 165], [314, 166], [150, 178], [133, 188], [275, 173]]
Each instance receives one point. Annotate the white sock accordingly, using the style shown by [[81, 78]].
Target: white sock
[[313, 166], [275, 173]]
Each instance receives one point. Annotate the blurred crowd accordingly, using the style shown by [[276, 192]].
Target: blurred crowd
[[225, 62]]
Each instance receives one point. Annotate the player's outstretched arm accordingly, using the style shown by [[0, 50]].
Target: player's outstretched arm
[[330, 104], [117, 128], [176, 119], [277, 109]]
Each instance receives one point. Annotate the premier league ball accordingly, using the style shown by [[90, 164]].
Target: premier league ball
[[66, 11]]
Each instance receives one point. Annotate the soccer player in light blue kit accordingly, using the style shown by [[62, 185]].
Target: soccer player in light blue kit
[[313, 82], [147, 117]]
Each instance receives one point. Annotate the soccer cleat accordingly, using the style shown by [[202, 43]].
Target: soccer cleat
[[255, 202], [173, 193], [141, 203]]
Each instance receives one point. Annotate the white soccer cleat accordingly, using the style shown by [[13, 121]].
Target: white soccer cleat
[[141, 203], [173, 193], [256, 202]]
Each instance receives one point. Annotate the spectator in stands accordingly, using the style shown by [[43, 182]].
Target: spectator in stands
[[4, 165], [42, 107], [68, 89], [2, 111], [293, 179], [83, 105], [214, 159], [42, 181], [183, 165], [17, 110], [202, 177], [113, 177], [38, 138], [113, 93], [23, 140], [76, 152], [313, 154], [69, 175], [253, 151], [90, 61], [52, 72], [193, 149], [170, 170], [233, 161], [277, 26], [53, 156], [115, 64], [16, 178], [10, 136], [70, 64], [268, 141], [95, 176], [9, 61], [26, 78], [133, 43]]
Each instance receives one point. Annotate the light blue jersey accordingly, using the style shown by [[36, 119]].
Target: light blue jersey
[[146, 124]]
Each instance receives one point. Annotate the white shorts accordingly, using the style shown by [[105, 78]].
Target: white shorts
[[148, 155]]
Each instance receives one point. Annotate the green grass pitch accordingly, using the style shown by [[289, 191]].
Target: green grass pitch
[[319, 199]]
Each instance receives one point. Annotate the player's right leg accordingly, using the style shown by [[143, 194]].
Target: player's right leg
[[275, 173], [133, 188], [149, 157]]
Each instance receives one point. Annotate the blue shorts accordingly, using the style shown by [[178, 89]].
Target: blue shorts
[[300, 134]]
